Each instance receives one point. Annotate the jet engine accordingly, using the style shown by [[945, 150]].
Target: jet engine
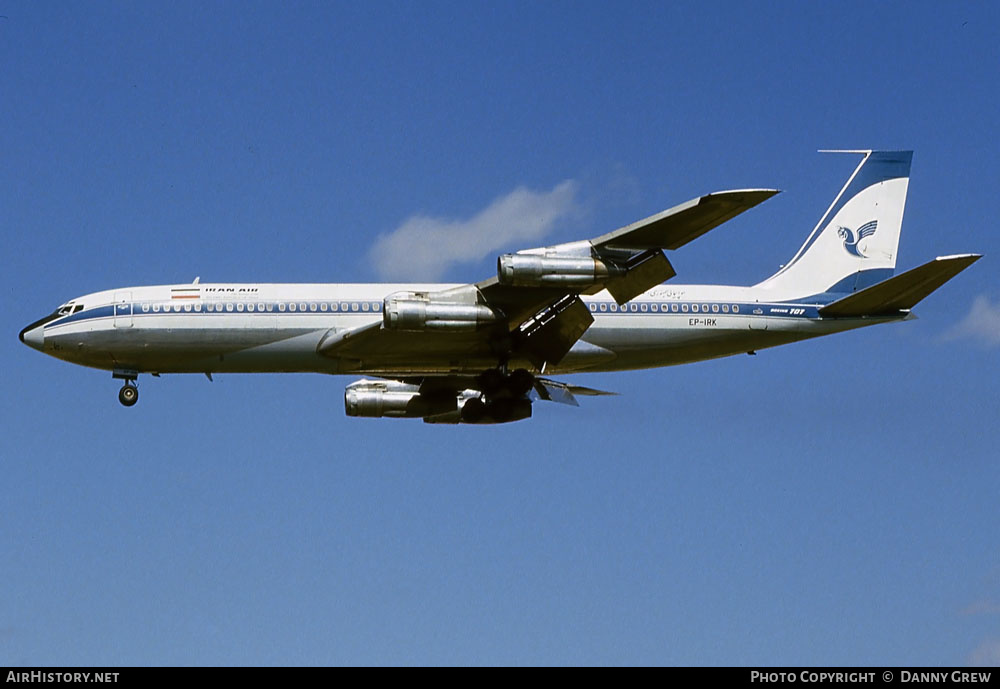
[[396, 399], [393, 398], [531, 270], [402, 312]]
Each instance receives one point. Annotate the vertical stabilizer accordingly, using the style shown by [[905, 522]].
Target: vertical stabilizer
[[854, 245]]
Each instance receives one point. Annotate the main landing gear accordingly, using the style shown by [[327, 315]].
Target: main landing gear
[[504, 397]]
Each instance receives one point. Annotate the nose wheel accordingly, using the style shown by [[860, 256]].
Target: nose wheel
[[129, 394]]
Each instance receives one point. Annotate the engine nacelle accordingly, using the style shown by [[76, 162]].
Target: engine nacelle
[[396, 399], [406, 313], [472, 410], [375, 399], [529, 270]]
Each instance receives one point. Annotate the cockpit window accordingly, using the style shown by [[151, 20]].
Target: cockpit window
[[67, 309]]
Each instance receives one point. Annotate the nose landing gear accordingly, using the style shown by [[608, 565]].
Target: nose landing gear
[[129, 394]]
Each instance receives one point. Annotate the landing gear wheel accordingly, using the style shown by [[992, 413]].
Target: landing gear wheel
[[501, 409], [492, 381], [521, 382], [473, 410], [128, 395]]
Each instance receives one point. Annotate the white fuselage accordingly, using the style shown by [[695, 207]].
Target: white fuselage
[[247, 328]]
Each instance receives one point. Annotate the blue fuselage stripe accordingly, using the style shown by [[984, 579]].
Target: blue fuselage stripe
[[597, 308]]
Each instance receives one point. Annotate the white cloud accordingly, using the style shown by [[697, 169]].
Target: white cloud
[[982, 323], [423, 247], [986, 654]]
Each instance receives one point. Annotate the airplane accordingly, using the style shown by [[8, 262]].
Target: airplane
[[482, 353]]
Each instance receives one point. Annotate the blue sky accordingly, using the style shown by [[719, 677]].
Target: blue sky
[[831, 502]]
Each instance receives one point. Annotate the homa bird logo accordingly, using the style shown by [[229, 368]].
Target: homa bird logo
[[851, 242]]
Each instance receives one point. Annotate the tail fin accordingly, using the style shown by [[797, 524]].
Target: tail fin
[[854, 245]]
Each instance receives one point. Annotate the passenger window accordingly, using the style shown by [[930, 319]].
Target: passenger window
[[593, 308], [364, 306], [684, 308], [312, 307], [187, 307], [376, 306], [643, 307], [302, 307], [725, 308], [281, 307], [655, 308], [239, 306], [156, 308], [145, 308], [614, 307], [354, 306], [604, 307], [715, 308], [322, 306], [291, 307], [736, 309], [694, 307], [673, 307], [229, 307]]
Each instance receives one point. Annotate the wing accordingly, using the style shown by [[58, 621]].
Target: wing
[[675, 227], [531, 310]]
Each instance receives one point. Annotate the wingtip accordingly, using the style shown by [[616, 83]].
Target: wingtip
[[767, 193], [971, 258], [746, 198]]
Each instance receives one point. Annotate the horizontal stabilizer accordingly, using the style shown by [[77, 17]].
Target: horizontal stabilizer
[[554, 391], [901, 292], [675, 227]]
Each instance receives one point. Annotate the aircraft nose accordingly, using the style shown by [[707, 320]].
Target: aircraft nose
[[34, 336]]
